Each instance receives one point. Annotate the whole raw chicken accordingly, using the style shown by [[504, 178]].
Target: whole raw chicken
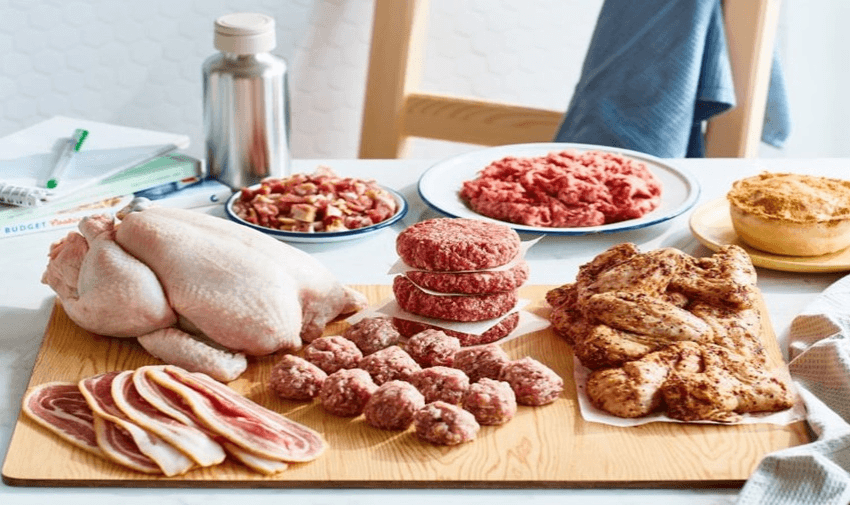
[[198, 291]]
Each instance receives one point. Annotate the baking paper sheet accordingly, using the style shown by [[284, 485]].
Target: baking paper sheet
[[592, 414]]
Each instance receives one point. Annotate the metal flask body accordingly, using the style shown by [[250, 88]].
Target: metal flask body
[[246, 117]]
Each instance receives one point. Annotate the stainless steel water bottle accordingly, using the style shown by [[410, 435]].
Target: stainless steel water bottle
[[246, 102]]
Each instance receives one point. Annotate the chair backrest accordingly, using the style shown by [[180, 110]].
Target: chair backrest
[[395, 110]]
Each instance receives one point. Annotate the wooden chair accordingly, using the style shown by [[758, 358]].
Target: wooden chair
[[394, 110]]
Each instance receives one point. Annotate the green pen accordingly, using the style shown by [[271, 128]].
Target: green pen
[[68, 151]]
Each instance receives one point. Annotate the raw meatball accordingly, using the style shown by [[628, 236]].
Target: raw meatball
[[490, 401], [441, 383], [345, 392], [373, 334], [442, 423], [295, 378], [481, 361], [333, 353], [432, 347], [392, 405], [533, 382], [391, 363]]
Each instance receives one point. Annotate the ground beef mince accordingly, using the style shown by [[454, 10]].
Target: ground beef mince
[[564, 189], [500, 330], [457, 244], [472, 283], [452, 308]]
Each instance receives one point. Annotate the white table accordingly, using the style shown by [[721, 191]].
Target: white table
[[25, 306]]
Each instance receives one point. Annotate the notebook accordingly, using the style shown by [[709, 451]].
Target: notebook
[[27, 157], [112, 194]]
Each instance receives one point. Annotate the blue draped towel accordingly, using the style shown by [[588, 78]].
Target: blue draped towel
[[655, 70]]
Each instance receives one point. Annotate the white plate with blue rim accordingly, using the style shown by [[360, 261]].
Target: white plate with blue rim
[[440, 185], [320, 236]]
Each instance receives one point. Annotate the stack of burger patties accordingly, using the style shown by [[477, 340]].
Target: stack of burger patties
[[460, 270]]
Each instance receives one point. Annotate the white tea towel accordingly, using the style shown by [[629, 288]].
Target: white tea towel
[[818, 472]]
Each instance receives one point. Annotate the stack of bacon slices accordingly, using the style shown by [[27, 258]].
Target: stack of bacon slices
[[165, 420]]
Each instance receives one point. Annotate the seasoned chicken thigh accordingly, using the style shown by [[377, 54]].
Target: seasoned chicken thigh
[[635, 389], [695, 382], [640, 313], [665, 329]]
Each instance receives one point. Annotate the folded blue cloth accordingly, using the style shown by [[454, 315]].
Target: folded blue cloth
[[655, 70]]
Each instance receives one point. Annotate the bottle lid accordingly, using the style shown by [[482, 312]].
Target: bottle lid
[[245, 33]]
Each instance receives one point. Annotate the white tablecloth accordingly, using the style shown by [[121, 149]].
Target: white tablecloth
[[25, 306]]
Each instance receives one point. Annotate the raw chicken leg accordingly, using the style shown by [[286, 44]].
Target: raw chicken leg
[[104, 289]]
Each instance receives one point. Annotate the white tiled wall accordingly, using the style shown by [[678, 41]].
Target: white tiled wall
[[137, 62]]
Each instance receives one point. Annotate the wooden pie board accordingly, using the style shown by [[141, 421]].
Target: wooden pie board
[[542, 447]]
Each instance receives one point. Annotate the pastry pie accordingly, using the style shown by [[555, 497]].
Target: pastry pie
[[791, 214]]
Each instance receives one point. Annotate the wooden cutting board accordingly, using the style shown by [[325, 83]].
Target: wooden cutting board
[[549, 446]]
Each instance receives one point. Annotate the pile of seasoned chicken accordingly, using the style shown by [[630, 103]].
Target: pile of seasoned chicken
[[665, 330]]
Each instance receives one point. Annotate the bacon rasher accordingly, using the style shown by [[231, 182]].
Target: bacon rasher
[[243, 422], [170, 403], [98, 393], [189, 439], [62, 409], [119, 446]]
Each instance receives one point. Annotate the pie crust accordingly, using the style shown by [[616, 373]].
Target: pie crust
[[791, 214]]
